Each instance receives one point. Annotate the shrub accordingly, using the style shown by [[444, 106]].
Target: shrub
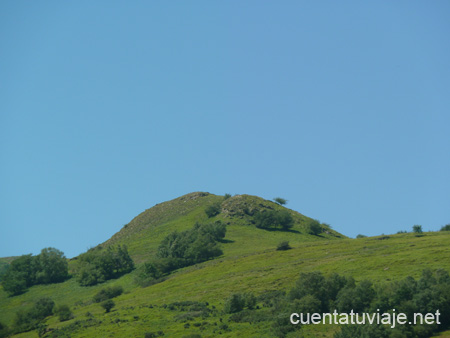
[[280, 201], [446, 228], [213, 210], [108, 305], [108, 293], [226, 196], [234, 303], [4, 332], [361, 236], [27, 320], [282, 246], [64, 313], [417, 229], [98, 265], [314, 227], [273, 219]]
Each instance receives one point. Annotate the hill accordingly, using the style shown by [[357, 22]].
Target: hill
[[250, 263]]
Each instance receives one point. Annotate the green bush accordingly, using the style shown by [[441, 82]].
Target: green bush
[[98, 265], [280, 201], [417, 229], [64, 313], [27, 320], [4, 332], [108, 293], [235, 303], [213, 210], [50, 266], [282, 246], [273, 219], [108, 305], [446, 228], [361, 236], [314, 227]]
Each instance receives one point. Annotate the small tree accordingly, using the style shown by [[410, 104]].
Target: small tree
[[108, 305], [446, 228], [283, 246], [417, 229], [213, 210], [314, 227], [64, 313], [361, 236], [280, 201]]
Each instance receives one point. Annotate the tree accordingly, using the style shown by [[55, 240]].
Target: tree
[[108, 305], [213, 210], [280, 201], [446, 228], [417, 229], [314, 227], [51, 266], [64, 313], [273, 219], [234, 303], [282, 246]]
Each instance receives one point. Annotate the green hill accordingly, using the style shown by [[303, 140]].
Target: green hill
[[250, 263]]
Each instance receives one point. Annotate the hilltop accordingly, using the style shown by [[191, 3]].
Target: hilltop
[[191, 300]]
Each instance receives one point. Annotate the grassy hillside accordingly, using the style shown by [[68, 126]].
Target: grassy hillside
[[249, 263]]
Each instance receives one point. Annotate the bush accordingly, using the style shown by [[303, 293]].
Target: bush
[[280, 201], [417, 229], [282, 246], [226, 196], [446, 228], [50, 266], [235, 303], [213, 210], [108, 305], [314, 227], [98, 265], [273, 219], [108, 293], [27, 320], [361, 236], [64, 313], [4, 332]]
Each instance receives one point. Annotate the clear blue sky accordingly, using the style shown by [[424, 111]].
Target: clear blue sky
[[108, 108]]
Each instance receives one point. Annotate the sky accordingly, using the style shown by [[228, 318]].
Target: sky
[[108, 108]]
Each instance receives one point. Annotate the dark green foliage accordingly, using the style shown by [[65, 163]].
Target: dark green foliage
[[446, 228], [361, 236], [273, 219], [4, 332], [280, 201], [362, 331], [180, 249], [234, 303], [213, 210], [98, 265], [238, 301], [282, 246], [153, 334], [226, 196], [108, 305], [108, 293], [417, 229], [27, 320], [314, 227], [356, 298], [50, 266], [64, 313]]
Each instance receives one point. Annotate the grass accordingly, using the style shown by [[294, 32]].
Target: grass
[[250, 263]]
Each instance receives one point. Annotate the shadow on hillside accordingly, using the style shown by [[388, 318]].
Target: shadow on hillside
[[281, 230], [225, 241]]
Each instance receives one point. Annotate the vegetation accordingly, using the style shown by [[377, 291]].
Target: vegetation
[[64, 313], [27, 320], [446, 228], [108, 293], [191, 301], [314, 227], [417, 229], [361, 236], [213, 210], [270, 219], [98, 265], [50, 266], [280, 201], [283, 246], [108, 305], [180, 249]]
